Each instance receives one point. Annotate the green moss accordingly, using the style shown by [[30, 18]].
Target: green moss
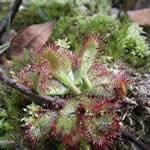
[[122, 39], [75, 28], [3, 9], [35, 14], [37, 11], [9, 115]]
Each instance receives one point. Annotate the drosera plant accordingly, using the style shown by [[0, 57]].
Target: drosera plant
[[91, 92]]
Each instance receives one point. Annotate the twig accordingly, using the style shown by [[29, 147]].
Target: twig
[[139, 144], [9, 18], [4, 47], [6, 142], [52, 102]]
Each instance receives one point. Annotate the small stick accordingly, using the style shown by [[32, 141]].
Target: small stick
[[6, 142], [139, 144], [53, 102], [9, 18]]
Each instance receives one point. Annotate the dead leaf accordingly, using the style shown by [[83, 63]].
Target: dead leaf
[[32, 37], [142, 16]]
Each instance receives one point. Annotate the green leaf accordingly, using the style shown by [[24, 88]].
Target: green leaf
[[53, 60], [56, 88], [67, 120], [41, 127], [86, 62], [62, 70]]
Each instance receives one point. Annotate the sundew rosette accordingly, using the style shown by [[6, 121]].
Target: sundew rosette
[[90, 90]]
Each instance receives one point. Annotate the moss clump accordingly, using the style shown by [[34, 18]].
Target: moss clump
[[121, 38], [37, 11], [35, 14], [9, 116], [75, 28]]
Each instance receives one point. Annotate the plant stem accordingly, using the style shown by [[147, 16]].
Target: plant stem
[[64, 79], [87, 82], [4, 47], [75, 89], [9, 18]]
